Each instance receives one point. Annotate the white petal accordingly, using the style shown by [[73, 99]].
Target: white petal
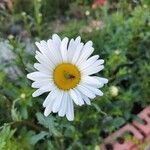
[[37, 76], [57, 102], [40, 83], [78, 40], [70, 110], [53, 54], [42, 68], [94, 65], [81, 102], [102, 80], [56, 45], [88, 62], [42, 90], [77, 53], [90, 70], [86, 99], [63, 107], [44, 60], [49, 100], [43, 47], [48, 109], [72, 47], [86, 91], [64, 45], [89, 80], [51, 96], [97, 63], [94, 90], [57, 41], [75, 95], [86, 52]]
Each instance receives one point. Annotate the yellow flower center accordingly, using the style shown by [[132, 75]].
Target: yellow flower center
[[66, 76]]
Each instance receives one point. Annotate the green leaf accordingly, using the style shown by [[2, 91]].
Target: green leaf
[[99, 109], [24, 112], [48, 122], [38, 137], [117, 122]]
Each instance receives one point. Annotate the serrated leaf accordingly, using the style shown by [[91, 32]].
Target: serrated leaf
[[48, 122], [38, 137]]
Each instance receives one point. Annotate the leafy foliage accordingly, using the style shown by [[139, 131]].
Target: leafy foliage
[[120, 32]]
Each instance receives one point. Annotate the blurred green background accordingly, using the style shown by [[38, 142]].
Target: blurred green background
[[120, 31]]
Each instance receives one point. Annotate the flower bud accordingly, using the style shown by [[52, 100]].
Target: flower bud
[[114, 91]]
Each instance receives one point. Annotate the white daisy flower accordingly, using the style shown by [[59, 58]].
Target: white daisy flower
[[65, 69]]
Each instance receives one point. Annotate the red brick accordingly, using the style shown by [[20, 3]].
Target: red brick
[[145, 115], [148, 138], [135, 148], [123, 130], [126, 145]]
